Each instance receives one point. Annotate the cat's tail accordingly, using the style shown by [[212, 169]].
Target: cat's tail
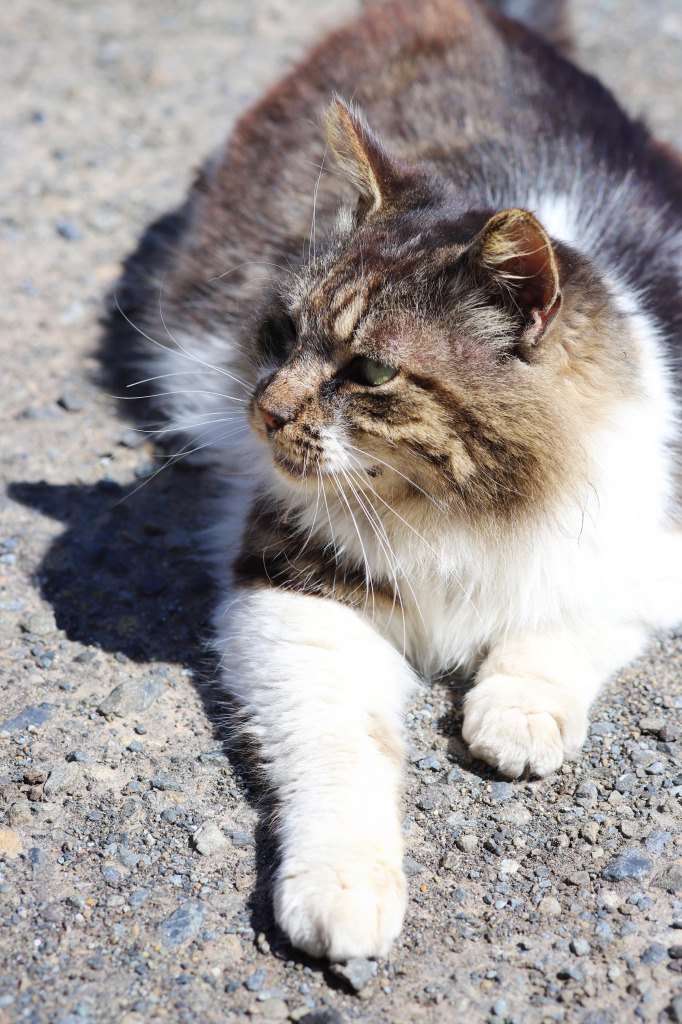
[[547, 18]]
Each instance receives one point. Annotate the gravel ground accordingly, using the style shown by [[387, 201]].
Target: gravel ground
[[131, 864]]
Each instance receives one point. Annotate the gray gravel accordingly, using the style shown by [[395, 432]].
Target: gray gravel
[[132, 856]]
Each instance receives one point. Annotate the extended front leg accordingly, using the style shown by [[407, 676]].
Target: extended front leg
[[528, 710], [323, 694]]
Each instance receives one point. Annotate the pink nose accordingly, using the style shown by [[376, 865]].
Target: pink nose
[[274, 419]]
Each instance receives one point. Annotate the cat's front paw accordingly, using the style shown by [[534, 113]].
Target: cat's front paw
[[522, 724], [349, 908]]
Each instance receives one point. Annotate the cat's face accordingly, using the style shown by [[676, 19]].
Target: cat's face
[[410, 357]]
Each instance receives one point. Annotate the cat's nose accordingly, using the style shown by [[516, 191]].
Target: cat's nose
[[274, 418]]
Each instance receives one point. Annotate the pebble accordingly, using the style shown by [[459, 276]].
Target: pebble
[[359, 973], [580, 947], [657, 840], [631, 864], [39, 623], [654, 954], [69, 230], [549, 906], [131, 697], [32, 716], [183, 924], [412, 867], [167, 784], [675, 952], [256, 981], [209, 840], [10, 843], [430, 762], [467, 843], [79, 756], [587, 790], [63, 779], [501, 792], [651, 725], [670, 878]]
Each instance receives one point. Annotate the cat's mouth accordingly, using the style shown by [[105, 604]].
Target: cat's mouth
[[298, 466]]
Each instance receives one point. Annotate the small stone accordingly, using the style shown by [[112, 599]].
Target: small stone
[[590, 832], [467, 843], [19, 812], [631, 864], [626, 783], [430, 762], [131, 697], [499, 1007], [675, 952], [501, 792], [587, 790], [359, 973], [549, 906], [79, 757], [32, 716], [209, 840], [657, 840], [629, 828], [508, 866], [167, 784], [183, 924], [69, 230], [580, 947], [412, 867], [654, 954], [39, 623], [651, 725], [670, 878], [65, 778], [10, 843], [255, 981]]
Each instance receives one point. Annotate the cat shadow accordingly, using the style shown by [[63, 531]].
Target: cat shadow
[[126, 577]]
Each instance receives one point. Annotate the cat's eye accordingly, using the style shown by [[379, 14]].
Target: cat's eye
[[371, 373]]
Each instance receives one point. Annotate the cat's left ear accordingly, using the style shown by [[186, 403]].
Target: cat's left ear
[[361, 156], [515, 248]]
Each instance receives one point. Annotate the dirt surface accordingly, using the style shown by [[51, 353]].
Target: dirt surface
[[520, 909]]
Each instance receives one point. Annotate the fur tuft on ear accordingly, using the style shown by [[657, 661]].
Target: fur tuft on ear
[[515, 247], [362, 158]]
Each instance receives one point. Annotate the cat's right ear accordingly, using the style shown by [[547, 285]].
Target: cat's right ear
[[517, 252], [361, 156]]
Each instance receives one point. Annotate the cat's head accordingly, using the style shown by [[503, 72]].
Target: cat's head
[[428, 348]]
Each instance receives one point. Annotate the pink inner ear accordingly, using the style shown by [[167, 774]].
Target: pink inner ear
[[535, 265], [541, 319]]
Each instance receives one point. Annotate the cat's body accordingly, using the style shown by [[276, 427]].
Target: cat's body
[[505, 502]]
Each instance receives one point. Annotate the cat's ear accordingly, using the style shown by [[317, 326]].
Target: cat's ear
[[515, 248], [361, 156]]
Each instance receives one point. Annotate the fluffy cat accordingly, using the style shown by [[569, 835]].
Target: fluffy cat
[[445, 416]]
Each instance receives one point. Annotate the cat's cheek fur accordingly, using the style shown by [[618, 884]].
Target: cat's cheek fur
[[323, 696]]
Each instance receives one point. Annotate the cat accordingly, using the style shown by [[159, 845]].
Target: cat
[[439, 387]]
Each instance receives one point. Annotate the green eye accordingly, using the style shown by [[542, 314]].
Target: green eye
[[369, 372]]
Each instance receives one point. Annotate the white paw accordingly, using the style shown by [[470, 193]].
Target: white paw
[[351, 908], [518, 724]]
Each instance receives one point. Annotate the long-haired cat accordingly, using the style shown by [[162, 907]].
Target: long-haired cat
[[439, 388]]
